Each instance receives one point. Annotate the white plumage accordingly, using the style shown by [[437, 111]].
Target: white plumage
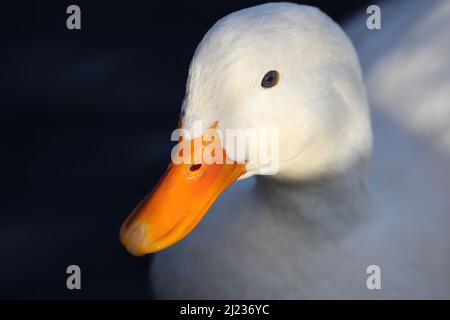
[[313, 229]]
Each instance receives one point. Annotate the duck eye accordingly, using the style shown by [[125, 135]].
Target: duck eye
[[270, 79]]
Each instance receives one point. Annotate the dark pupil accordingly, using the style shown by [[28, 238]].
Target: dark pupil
[[270, 79]]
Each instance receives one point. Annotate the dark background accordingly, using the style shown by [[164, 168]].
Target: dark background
[[85, 123]]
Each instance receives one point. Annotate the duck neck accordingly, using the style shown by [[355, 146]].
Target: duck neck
[[331, 205]]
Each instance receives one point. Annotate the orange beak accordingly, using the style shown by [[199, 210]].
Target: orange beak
[[177, 204]]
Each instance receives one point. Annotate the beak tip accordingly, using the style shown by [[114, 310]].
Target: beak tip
[[132, 239]]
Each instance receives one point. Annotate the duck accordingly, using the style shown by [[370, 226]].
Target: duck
[[361, 182]]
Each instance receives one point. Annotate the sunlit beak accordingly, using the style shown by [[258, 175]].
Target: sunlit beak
[[177, 204]]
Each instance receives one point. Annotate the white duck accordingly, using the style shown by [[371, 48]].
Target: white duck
[[311, 230]]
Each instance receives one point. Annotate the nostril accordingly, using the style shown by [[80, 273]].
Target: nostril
[[195, 167]]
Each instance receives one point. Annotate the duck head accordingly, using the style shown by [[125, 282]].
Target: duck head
[[282, 68]]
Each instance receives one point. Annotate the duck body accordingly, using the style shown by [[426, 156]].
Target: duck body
[[301, 236], [267, 251]]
